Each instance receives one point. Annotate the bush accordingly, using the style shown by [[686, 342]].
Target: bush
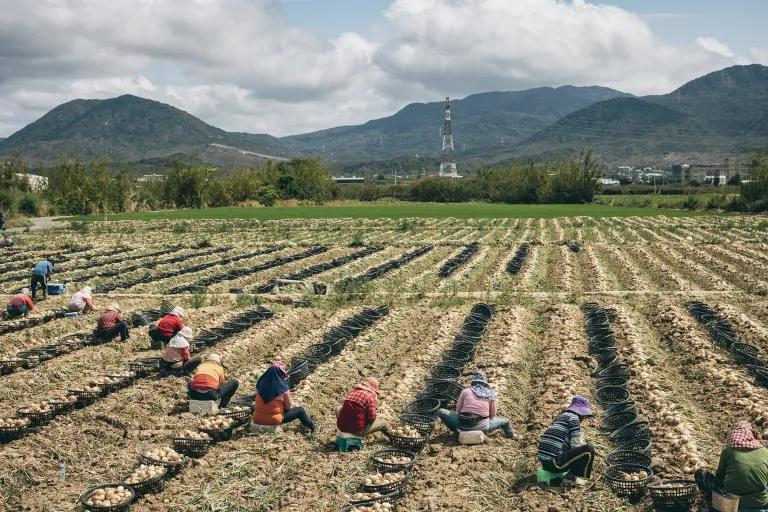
[[29, 205], [7, 201], [267, 195]]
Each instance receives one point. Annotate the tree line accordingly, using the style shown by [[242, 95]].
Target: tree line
[[77, 187]]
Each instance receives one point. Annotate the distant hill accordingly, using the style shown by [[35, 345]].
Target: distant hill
[[482, 124], [125, 129], [722, 113]]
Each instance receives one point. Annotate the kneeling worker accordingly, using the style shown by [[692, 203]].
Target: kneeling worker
[[209, 382], [358, 415], [273, 405], [111, 323], [20, 305], [176, 358], [562, 447]]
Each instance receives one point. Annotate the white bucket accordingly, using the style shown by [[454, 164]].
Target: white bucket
[[724, 502], [471, 437]]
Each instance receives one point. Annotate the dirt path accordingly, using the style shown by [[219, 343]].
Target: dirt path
[[40, 223]]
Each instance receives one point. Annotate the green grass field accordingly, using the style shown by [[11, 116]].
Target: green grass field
[[402, 210]]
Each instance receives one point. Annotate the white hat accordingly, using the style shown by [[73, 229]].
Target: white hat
[[115, 306], [214, 357], [178, 311], [25, 291], [87, 289], [186, 331]]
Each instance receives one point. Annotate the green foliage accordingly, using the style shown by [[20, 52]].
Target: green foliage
[[186, 187], [243, 300], [755, 193], [267, 195], [29, 205], [198, 299], [304, 179], [7, 201], [76, 187], [79, 226]]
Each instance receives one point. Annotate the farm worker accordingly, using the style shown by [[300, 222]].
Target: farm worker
[[168, 326], [176, 357], [273, 405], [111, 323], [562, 447], [476, 409], [40, 276], [20, 305], [742, 470], [357, 415], [209, 383], [81, 301]]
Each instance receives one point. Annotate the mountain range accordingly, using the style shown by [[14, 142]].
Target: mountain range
[[722, 113]]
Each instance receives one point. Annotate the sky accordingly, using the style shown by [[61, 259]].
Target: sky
[[293, 66]]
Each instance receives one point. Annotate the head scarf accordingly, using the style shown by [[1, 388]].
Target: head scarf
[[114, 306], [272, 384], [480, 386], [181, 339], [216, 358], [743, 437], [281, 366], [86, 291], [25, 291], [177, 311], [369, 384]]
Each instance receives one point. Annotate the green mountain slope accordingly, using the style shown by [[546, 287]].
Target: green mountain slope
[[722, 113], [482, 123]]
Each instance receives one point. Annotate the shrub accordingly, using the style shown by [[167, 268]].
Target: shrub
[[7, 201], [29, 205]]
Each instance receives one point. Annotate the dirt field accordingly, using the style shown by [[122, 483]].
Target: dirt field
[[536, 351]]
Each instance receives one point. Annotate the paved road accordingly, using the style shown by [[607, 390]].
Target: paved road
[[39, 223]]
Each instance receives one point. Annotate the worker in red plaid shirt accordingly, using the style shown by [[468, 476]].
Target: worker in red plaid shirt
[[357, 415]]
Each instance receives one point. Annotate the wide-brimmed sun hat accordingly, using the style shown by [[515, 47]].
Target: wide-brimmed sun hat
[[580, 405]]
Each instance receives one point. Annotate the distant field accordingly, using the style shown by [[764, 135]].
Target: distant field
[[401, 210]]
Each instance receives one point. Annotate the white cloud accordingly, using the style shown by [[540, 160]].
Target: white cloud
[[713, 45], [759, 55], [240, 65]]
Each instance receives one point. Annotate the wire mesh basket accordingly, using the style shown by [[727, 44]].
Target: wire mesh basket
[[616, 476], [673, 495], [381, 460], [121, 507]]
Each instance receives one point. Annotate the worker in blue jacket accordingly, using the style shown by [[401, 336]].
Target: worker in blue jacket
[[41, 274]]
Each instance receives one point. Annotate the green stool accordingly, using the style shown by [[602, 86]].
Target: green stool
[[344, 444], [545, 477]]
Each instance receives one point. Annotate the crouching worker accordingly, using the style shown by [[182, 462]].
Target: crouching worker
[[209, 382], [20, 305], [562, 448], [41, 274], [358, 415], [168, 326], [176, 357], [81, 301], [742, 470], [476, 409], [111, 323], [273, 405]]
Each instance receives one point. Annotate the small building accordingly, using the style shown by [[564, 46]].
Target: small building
[[608, 181], [343, 180], [151, 177], [36, 182]]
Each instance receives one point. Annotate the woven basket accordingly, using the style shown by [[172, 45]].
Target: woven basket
[[385, 467], [122, 507], [673, 495], [194, 448], [411, 444], [632, 489], [627, 457], [149, 486]]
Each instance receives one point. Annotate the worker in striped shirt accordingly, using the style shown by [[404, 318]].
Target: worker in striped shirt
[[562, 448]]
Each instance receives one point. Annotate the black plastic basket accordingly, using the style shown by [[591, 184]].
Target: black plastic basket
[[36, 419], [638, 444], [627, 457], [12, 433], [418, 421], [395, 488], [746, 359], [86, 397], [611, 395], [62, 407], [423, 406], [619, 382], [447, 391], [634, 430], [319, 352], [386, 467], [172, 467], [149, 486], [629, 405], [457, 355], [10, 365], [218, 434], [190, 447], [411, 444], [760, 374], [615, 370], [632, 489], [615, 421], [122, 507], [241, 417], [745, 348], [673, 495], [441, 371]]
